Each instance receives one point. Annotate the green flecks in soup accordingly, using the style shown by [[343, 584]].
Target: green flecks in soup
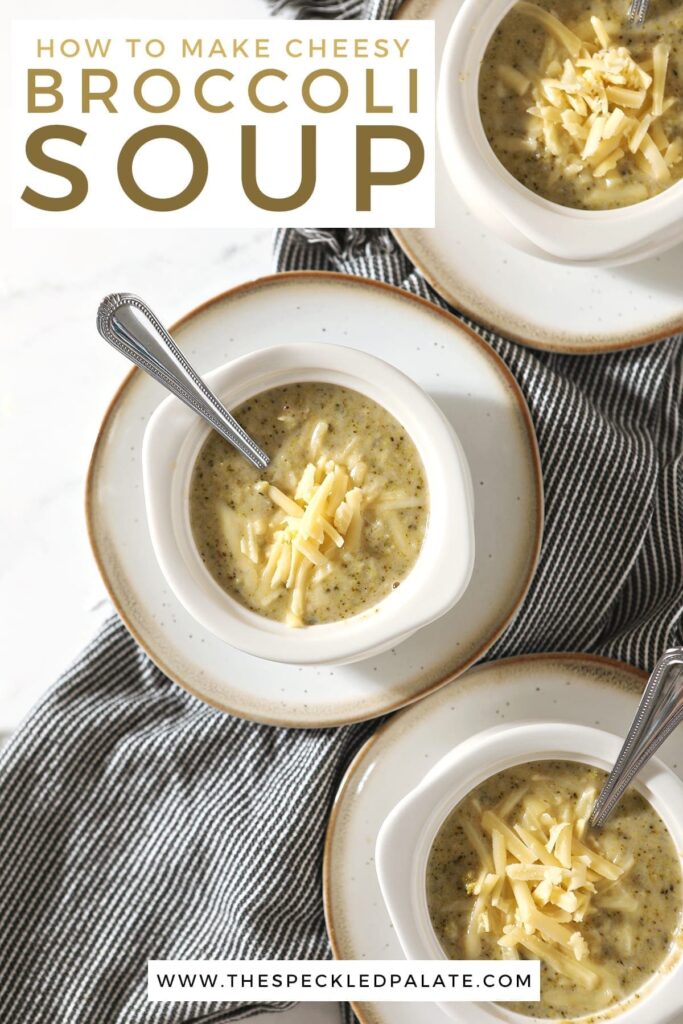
[[590, 137], [515, 871], [333, 525]]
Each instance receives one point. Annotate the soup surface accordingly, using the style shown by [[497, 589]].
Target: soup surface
[[540, 102], [335, 522], [514, 871]]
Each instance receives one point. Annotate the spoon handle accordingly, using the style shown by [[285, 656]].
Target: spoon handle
[[659, 712], [637, 11], [130, 326]]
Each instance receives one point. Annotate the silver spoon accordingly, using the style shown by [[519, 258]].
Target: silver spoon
[[659, 712], [637, 11], [128, 324]]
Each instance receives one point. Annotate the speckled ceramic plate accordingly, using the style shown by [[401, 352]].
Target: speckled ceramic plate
[[574, 688], [473, 388], [543, 304]]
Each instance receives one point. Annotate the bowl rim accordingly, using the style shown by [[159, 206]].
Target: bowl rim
[[470, 763], [348, 639], [556, 230]]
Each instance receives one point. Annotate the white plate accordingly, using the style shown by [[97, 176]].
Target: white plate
[[534, 301], [566, 688], [475, 391]]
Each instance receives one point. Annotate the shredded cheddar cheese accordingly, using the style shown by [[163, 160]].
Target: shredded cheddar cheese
[[594, 106], [537, 881], [322, 518]]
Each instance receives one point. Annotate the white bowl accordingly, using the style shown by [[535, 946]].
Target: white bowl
[[514, 212], [443, 568], [407, 834]]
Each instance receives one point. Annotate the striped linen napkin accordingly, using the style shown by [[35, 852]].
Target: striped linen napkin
[[139, 823]]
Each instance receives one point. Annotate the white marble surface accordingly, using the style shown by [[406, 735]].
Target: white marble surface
[[57, 378]]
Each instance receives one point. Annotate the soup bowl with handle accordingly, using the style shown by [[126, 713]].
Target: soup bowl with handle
[[171, 444], [407, 834], [511, 210]]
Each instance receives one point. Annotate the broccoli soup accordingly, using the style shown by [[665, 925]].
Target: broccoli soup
[[582, 109], [333, 525], [515, 872]]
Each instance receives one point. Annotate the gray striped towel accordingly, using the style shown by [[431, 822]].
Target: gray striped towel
[[139, 823]]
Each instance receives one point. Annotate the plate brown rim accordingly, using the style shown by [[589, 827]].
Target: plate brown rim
[[595, 659], [119, 396], [579, 349], [588, 348]]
